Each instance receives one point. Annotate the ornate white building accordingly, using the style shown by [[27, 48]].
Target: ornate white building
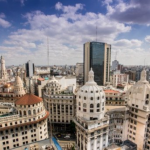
[[91, 121], [3, 71], [60, 103], [26, 124], [138, 97]]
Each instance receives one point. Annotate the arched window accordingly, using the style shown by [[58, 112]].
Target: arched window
[[84, 105], [91, 105], [29, 112], [20, 113], [146, 102], [97, 98], [84, 98], [79, 104], [34, 112], [91, 98], [98, 105], [25, 113]]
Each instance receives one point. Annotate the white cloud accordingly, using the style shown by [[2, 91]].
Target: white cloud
[[127, 43], [67, 33], [132, 11], [4, 23], [147, 38], [58, 6]]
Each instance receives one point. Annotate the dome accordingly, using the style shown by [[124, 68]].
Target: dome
[[91, 99], [28, 99], [139, 94], [53, 80], [18, 80]]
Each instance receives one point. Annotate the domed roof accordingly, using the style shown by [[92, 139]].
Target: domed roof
[[91, 87], [91, 99], [18, 80], [28, 99], [53, 80]]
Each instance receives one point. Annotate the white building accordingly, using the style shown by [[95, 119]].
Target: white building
[[26, 124], [79, 69], [119, 79], [91, 121], [60, 103], [3, 71], [138, 97], [64, 81]]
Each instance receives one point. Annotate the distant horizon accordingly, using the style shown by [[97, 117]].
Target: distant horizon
[[29, 28]]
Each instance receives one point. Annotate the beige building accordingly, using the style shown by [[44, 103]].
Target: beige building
[[3, 71], [138, 97], [114, 97], [60, 103], [26, 124], [92, 124], [11, 91], [97, 56]]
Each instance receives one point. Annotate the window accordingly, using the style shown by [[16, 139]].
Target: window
[[146, 102], [84, 105], [91, 106], [79, 104], [84, 98], [98, 105], [97, 98], [91, 98], [147, 95]]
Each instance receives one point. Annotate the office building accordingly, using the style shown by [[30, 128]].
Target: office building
[[29, 69], [115, 64], [97, 56]]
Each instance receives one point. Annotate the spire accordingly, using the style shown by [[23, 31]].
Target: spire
[[91, 76], [143, 75]]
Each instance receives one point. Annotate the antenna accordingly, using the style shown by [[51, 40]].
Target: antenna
[[116, 56], [47, 52], [144, 62], [96, 32]]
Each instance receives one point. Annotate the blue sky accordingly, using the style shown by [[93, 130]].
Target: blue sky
[[68, 24]]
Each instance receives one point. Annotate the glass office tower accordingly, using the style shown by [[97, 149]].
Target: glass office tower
[[97, 56]]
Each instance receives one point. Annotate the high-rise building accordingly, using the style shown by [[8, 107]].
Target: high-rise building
[[97, 56], [29, 68], [3, 73], [115, 64]]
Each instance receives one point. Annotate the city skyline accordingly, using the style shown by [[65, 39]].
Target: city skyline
[[25, 26]]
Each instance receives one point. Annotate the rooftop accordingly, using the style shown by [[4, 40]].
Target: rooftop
[[28, 99]]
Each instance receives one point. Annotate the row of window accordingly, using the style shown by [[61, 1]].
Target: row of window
[[91, 98]]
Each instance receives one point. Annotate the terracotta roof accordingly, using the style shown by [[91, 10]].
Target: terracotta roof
[[111, 91], [41, 79], [28, 99]]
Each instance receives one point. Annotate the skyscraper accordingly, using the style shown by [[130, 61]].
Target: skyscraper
[[29, 68], [97, 56]]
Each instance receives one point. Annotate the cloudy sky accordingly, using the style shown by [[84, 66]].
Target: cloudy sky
[[68, 24]]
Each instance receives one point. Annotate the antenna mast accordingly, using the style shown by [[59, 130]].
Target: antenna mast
[[116, 56], [96, 32], [47, 52]]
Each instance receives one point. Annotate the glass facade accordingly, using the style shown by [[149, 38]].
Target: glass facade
[[97, 61]]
